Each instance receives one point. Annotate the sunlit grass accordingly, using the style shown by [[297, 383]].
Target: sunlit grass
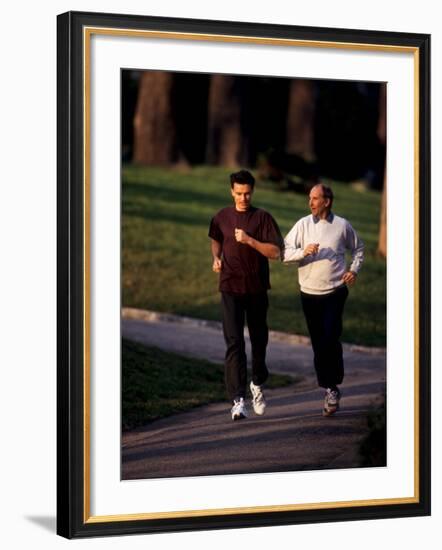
[[166, 254]]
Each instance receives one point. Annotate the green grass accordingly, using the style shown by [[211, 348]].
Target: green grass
[[156, 383], [166, 260]]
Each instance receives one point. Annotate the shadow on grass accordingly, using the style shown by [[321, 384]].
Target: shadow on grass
[[173, 195], [136, 201]]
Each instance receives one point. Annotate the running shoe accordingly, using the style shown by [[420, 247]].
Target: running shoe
[[258, 401], [331, 401], [239, 409]]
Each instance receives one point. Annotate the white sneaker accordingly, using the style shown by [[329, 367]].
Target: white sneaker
[[239, 409], [331, 402], [258, 401]]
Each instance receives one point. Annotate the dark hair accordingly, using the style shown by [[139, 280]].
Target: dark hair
[[327, 192], [243, 177]]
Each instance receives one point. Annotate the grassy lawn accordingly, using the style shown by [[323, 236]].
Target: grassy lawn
[[157, 384], [166, 260]]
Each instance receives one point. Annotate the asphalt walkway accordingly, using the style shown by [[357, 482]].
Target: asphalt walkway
[[292, 435]]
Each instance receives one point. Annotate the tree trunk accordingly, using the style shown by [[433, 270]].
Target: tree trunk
[[382, 135], [155, 139], [300, 119], [382, 242], [224, 137]]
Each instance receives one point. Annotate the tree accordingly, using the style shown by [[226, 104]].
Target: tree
[[224, 138], [382, 135], [300, 119], [155, 136]]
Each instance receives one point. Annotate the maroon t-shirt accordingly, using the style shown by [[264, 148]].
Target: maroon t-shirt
[[244, 269]]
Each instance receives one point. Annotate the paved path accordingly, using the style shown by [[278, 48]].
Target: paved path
[[293, 435]]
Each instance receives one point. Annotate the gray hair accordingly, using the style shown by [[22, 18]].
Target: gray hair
[[327, 192]]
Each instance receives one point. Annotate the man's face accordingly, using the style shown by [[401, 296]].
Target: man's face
[[242, 195], [319, 206]]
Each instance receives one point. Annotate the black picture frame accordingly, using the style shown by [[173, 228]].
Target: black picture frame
[[73, 517]]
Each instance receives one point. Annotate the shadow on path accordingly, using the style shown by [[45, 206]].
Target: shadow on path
[[293, 435]]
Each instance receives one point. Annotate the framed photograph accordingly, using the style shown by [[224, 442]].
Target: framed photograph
[[159, 122]]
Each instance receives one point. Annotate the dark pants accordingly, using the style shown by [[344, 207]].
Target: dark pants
[[323, 314], [235, 309]]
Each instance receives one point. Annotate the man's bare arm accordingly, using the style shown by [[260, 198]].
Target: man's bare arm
[[269, 250], [217, 250]]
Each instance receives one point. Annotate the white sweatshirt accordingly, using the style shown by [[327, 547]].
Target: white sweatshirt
[[322, 273]]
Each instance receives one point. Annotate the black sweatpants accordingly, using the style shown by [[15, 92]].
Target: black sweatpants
[[323, 314], [235, 309]]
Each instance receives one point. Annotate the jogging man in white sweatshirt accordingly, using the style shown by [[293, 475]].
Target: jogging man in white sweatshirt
[[317, 243]]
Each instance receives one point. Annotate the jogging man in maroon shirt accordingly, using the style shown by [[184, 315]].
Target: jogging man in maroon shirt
[[242, 239]]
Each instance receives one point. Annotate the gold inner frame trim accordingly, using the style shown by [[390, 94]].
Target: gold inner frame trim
[[248, 40], [87, 34], [250, 510], [416, 276]]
